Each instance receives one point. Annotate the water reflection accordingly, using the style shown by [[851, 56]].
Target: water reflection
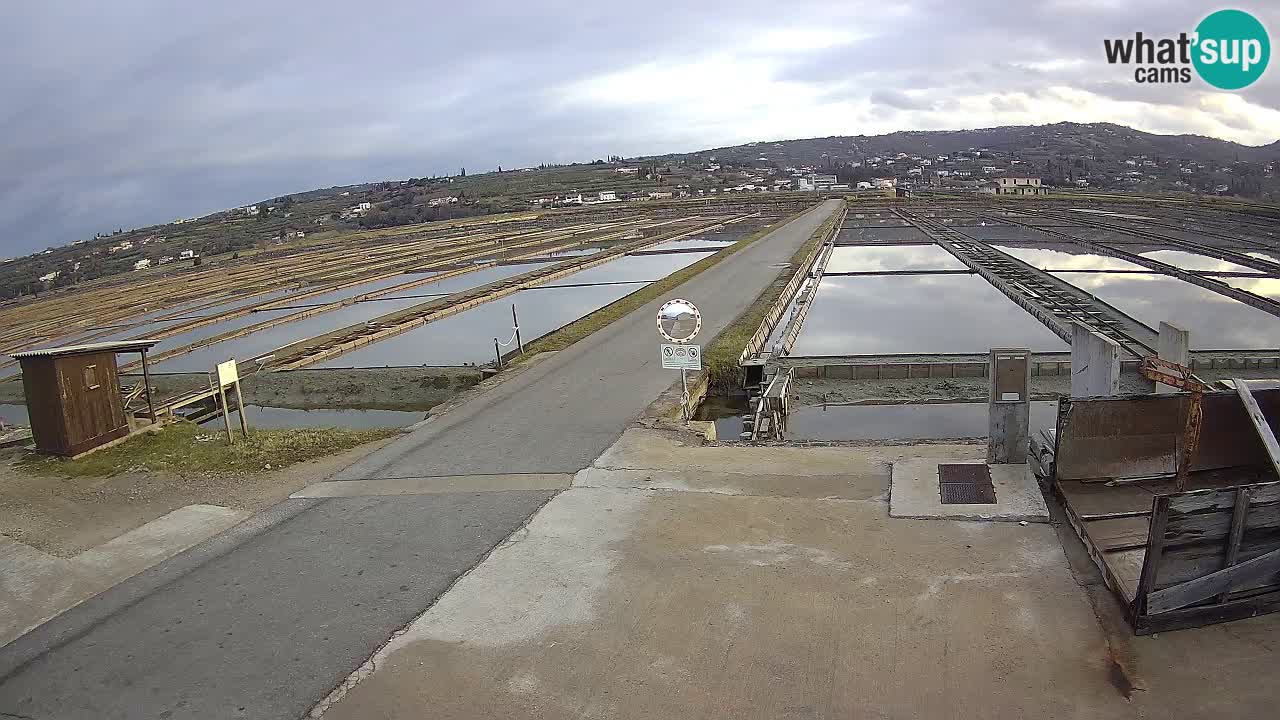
[[903, 422], [916, 314], [892, 257], [467, 338], [1216, 322], [1264, 286], [14, 414], [1064, 256], [1196, 261]]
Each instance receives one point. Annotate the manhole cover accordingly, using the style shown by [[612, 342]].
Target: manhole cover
[[966, 484]]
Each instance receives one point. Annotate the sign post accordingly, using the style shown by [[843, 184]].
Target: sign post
[[679, 322], [229, 374]]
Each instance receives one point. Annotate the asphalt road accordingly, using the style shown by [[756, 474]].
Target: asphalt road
[[265, 623]]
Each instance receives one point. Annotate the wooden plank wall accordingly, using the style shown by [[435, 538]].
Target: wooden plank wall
[[1218, 557]]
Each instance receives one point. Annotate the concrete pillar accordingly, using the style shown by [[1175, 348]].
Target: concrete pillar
[[1009, 407], [1175, 346], [1095, 363]]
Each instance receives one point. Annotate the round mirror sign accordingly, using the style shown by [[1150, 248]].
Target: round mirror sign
[[679, 321]]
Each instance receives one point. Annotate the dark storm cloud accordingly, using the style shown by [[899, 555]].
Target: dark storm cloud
[[140, 111]]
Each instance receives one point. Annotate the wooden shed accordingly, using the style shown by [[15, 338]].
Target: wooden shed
[[73, 395]]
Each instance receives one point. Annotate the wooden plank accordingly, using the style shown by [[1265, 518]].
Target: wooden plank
[[1238, 517], [1207, 586], [1155, 546], [1260, 423], [1223, 499], [1090, 500], [1179, 565], [1190, 617], [1125, 566], [1119, 533]]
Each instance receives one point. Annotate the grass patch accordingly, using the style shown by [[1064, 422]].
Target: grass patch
[[587, 324], [186, 447], [720, 356]]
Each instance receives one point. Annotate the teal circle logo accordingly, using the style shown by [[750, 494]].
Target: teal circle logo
[[1232, 49]]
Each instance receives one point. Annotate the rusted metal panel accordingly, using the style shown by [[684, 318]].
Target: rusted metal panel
[[1140, 436]]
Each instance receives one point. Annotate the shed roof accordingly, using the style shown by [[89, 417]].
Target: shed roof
[[120, 346]]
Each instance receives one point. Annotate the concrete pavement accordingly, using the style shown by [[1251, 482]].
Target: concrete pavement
[[265, 625], [676, 581]]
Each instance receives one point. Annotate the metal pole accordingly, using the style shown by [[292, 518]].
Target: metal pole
[[497, 352], [244, 422], [146, 387], [226, 414], [516, 322], [684, 399]]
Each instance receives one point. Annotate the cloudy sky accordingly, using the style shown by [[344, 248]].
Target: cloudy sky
[[133, 112]]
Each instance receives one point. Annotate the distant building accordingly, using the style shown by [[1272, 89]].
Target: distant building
[[884, 183], [864, 185], [165, 260], [804, 183], [609, 195], [142, 264], [50, 276], [823, 182], [627, 171], [186, 254], [1020, 185], [660, 195]]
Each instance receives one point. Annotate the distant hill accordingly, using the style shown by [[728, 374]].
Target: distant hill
[[1096, 155], [1105, 141]]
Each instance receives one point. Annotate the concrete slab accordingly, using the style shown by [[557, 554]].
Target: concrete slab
[[634, 604], [441, 484], [867, 485], [914, 493], [643, 448], [35, 586], [164, 537], [624, 603]]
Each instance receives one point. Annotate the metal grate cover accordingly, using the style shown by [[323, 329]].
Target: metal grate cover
[[966, 484]]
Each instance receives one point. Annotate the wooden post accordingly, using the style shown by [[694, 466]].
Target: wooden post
[[226, 413], [516, 322], [146, 387], [497, 352], [1260, 424], [244, 421]]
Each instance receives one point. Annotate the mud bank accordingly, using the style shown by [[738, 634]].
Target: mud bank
[[1043, 387], [419, 388]]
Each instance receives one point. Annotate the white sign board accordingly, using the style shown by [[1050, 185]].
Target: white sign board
[[227, 373], [681, 357]]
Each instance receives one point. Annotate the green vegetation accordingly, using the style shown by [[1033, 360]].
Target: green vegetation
[[186, 447], [720, 356], [584, 326]]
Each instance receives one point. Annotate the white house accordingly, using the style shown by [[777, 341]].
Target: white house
[[142, 264], [660, 195], [50, 276], [608, 196], [627, 171], [166, 259], [186, 254], [884, 183], [864, 185], [1020, 185]]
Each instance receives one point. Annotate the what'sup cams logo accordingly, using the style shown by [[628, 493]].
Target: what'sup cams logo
[[1229, 50]]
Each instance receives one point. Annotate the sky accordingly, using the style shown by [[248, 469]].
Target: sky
[[137, 112]]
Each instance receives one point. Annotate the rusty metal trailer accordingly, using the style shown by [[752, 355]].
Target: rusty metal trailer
[[1177, 558]]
